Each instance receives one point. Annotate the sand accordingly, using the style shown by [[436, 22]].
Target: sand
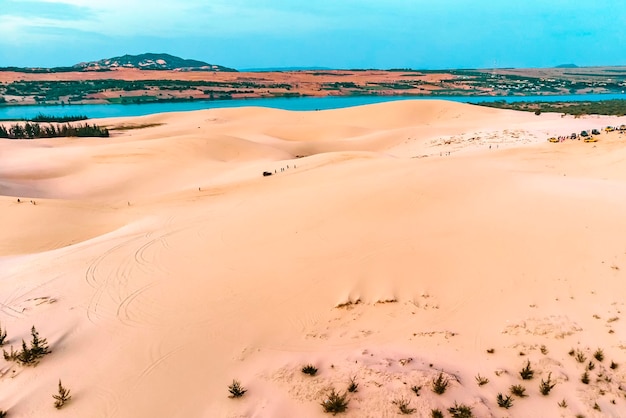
[[395, 242]]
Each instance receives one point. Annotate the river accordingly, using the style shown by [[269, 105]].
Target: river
[[297, 104]]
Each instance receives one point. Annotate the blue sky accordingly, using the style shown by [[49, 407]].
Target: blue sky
[[433, 34]]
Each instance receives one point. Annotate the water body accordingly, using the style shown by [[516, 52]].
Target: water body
[[297, 104]]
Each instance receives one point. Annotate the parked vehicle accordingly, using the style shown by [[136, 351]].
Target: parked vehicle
[[609, 129], [573, 136], [591, 139], [595, 132], [553, 139], [584, 134]]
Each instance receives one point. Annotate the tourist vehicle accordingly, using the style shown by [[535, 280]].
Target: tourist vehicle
[[609, 129], [584, 134], [591, 139], [574, 135], [622, 128], [595, 132], [553, 139]]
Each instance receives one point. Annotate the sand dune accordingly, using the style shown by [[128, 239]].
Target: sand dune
[[393, 243]]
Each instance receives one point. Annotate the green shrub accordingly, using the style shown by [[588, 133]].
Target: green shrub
[[403, 406], [335, 403], [353, 386], [236, 390], [527, 372], [504, 401], [460, 411], [62, 397], [518, 390], [440, 384], [546, 385]]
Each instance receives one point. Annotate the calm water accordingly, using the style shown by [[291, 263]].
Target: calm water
[[298, 104]]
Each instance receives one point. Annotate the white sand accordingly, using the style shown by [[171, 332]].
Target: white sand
[[161, 265]]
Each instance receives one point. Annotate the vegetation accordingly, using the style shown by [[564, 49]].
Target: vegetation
[[580, 357], [563, 404], [3, 335], [62, 397], [440, 384], [3, 413], [481, 380], [60, 119], [585, 378], [436, 413], [309, 369], [504, 401], [29, 356], [403, 406], [546, 385], [518, 390], [527, 372], [34, 130], [335, 403], [615, 107], [416, 390], [460, 411], [236, 390], [599, 354], [614, 365], [353, 386]]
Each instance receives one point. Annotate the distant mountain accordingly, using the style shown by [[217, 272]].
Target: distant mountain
[[150, 62], [567, 66]]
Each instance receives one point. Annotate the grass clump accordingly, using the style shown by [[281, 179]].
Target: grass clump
[[591, 366], [460, 411], [543, 349], [353, 386], [236, 390], [440, 384], [527, 372], [518, 390], [599, 355], [309, 369], [546, 385], [585, 378], [580, 357], [504, 401], [3, 336], [403, 406], [614, 365], [416, 390], [62, 397], [491, 350], [3, 414], [563, 404], [481, 380], [335, 403], [436, 413]]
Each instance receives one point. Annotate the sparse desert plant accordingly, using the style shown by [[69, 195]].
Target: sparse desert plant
[[38, 349], [236, 390], [403, 406], [591, 366], [596, 407], [527, 372], [11, 355], [440, 384], [572, 352], [25, 356], [335, 403], [546, 385], [62, 397], [580, 416], [491, 350], [599, 355], [481, 380], [504, 401], [460, 411], [614, 365], [543, 349], [585, 378], [309, 369], [580, 357], [353, 386], [3, 337], [518, 390], [563, 404], [416, 390], [436, 413]]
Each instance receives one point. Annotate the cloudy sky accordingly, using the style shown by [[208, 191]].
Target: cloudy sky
[[424, 34]]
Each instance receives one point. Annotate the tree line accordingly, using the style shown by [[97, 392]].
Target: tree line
[[35, 130]]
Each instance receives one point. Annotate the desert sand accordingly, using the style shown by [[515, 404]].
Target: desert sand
[[393, 243]]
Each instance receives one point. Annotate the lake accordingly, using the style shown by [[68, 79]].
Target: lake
[[297, 104]]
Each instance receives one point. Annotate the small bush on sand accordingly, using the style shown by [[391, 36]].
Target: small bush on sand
[[591, 366], [309, 369], [546, 385], [563, 404], [460, 411], [599, 354], [504, 401], [403, 406], [3, 336], [11, 355], [580, 357], [527, 372], [416, 390], [585, 378], [518, 390], [62, 397], [353, 386], [436, 413], [3, 414], [481, 380], [614, 365], [440, 384], [335, 403], [236, 390]]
